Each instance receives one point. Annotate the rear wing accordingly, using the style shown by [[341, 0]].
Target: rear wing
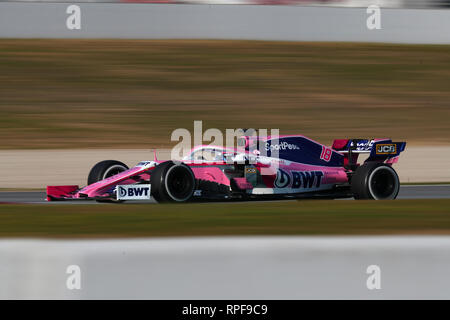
[[379, 150]]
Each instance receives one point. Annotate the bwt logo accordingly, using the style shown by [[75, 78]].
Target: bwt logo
[[133, 192], [386, 149], [298, 179]]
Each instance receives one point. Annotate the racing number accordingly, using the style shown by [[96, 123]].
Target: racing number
[[326, 154]]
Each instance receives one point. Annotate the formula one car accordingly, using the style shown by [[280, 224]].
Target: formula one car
[[259, 168]]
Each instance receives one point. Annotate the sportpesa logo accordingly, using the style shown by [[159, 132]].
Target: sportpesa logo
[[298, 179], [281, 146]]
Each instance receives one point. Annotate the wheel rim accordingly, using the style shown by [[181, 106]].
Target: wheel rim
[[179, 183], [113, 170], [383, 183]]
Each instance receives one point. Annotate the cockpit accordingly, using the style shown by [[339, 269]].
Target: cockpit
[[210, 154]]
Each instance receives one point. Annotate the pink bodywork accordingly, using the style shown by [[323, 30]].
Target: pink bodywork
[[95, 190]]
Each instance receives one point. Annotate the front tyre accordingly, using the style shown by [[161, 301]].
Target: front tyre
[[105, 169], [172, 182], [376, 181]]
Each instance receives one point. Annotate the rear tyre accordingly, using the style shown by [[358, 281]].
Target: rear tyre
[[172, 182], [105, 169], [376, 181]]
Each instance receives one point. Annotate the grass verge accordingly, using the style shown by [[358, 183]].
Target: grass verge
[[217, 219]]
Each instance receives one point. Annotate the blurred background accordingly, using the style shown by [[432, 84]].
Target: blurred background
[[112, 96], [58, 93]]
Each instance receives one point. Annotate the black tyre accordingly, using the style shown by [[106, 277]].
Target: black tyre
[[376, 181], [172, 182], [105, 169]]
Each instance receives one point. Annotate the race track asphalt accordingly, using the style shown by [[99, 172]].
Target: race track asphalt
[[406, 192]]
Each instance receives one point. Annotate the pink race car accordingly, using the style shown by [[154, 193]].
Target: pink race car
[[261, 167]]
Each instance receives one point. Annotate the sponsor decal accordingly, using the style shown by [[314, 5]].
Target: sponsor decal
[[282, 180], [298, 179], [251, 175], [134, 192], [250, 170], [197, 193], [388, 148], [363, 145], [281, 146], [326, 154]]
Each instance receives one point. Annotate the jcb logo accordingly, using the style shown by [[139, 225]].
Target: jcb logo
[[386, 149], [250, 170]]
